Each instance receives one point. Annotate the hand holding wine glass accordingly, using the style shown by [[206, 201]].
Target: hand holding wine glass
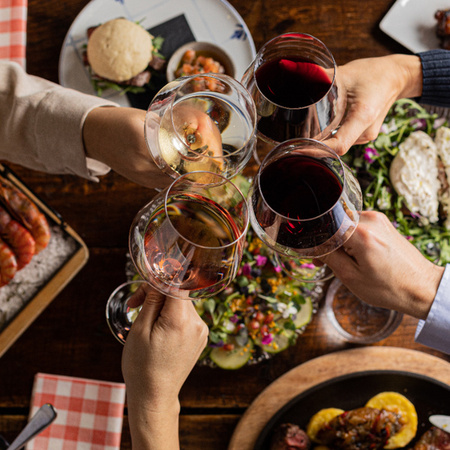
[[201, 122], [304, 201], [187, 242]]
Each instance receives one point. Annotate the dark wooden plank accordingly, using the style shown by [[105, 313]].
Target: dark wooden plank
[[71, 336]]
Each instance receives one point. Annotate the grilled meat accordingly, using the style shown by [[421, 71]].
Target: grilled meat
[[443, 27], [360, 429], [433, 439], [289, 437]]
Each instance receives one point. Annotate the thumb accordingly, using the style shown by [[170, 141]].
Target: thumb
[[152, 306], [338, 261]]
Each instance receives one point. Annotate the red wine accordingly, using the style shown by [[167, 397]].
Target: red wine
[[201, 260], [293, 84], [300, 188]]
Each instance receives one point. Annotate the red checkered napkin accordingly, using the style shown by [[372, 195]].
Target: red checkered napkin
[[13, 30], [90, 413]]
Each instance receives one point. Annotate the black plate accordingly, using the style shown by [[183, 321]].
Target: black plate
[[354, 390]]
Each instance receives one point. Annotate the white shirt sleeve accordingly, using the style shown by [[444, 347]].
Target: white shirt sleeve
[[435, 330], [42, 124]]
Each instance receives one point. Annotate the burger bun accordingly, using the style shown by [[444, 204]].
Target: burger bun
[[119, 49]]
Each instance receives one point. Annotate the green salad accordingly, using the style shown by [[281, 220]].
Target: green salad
[[262, 312], [371, 163]]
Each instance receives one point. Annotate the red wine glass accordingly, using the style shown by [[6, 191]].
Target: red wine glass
[[304, 202], [201, 122], [187, 242], [296, 90]]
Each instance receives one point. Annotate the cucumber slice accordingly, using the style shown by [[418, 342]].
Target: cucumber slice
[[304, 315], [232, 359], [280, 342]]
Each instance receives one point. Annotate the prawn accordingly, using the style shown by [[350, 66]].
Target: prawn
[[27, 213], [8, 264], [17, 237]]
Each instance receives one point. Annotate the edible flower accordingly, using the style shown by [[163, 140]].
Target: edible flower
[[370, 154], [261, 260]]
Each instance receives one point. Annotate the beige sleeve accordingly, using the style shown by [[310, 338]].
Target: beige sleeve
[[41, 124]]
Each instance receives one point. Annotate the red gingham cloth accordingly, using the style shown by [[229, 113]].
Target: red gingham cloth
[[13, 30], [89, 413]]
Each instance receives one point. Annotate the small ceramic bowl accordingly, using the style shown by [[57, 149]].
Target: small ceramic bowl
[[355, 320], [202, 48]]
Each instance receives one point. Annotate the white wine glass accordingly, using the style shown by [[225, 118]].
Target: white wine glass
[[187, 242], [201, 122], [304, 202]]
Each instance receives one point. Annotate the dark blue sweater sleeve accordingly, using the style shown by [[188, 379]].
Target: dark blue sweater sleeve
[[436, 78]]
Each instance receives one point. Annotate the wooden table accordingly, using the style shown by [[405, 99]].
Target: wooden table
[[71, 336]]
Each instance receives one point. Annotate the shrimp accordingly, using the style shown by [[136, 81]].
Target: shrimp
[[17, 237], [27, 213], [8, 264]]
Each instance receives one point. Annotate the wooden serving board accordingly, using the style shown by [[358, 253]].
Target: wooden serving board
[[59, 280], [325, 368]]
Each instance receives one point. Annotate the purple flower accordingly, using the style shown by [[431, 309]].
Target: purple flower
[[261, 260], [419, 124], [370, 154], [234, 318], [267, 339], [278, 269], [246, 269], [307, 266]]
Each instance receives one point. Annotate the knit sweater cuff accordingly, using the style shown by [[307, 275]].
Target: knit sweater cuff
[[436, 77]]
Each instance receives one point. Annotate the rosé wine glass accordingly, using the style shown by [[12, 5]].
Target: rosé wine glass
[[188, 241]]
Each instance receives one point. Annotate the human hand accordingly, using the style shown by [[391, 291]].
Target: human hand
[[383, 269], [371, 86], [161, 349], [115, 136]]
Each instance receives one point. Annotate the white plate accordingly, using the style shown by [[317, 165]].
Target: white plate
[[412, 23], [213, 21]]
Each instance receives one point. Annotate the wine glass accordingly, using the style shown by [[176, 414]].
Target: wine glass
[[187, 242], [304, 202], [296, 90], [201, 122]]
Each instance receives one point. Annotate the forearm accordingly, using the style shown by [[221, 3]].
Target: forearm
[[42, 123], [153, 430]]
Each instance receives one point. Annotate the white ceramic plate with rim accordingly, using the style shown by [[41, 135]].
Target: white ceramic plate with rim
[[213, 21], [412, 23]]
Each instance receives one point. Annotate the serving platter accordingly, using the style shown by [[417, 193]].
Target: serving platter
[[354, 390], [176, 21], [412, 23], [311, 374], [36, 285]]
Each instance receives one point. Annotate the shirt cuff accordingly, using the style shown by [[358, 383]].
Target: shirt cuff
[[435, 330]]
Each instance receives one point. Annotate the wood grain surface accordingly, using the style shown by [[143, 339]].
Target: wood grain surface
[[71, 336], [325, 368]]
